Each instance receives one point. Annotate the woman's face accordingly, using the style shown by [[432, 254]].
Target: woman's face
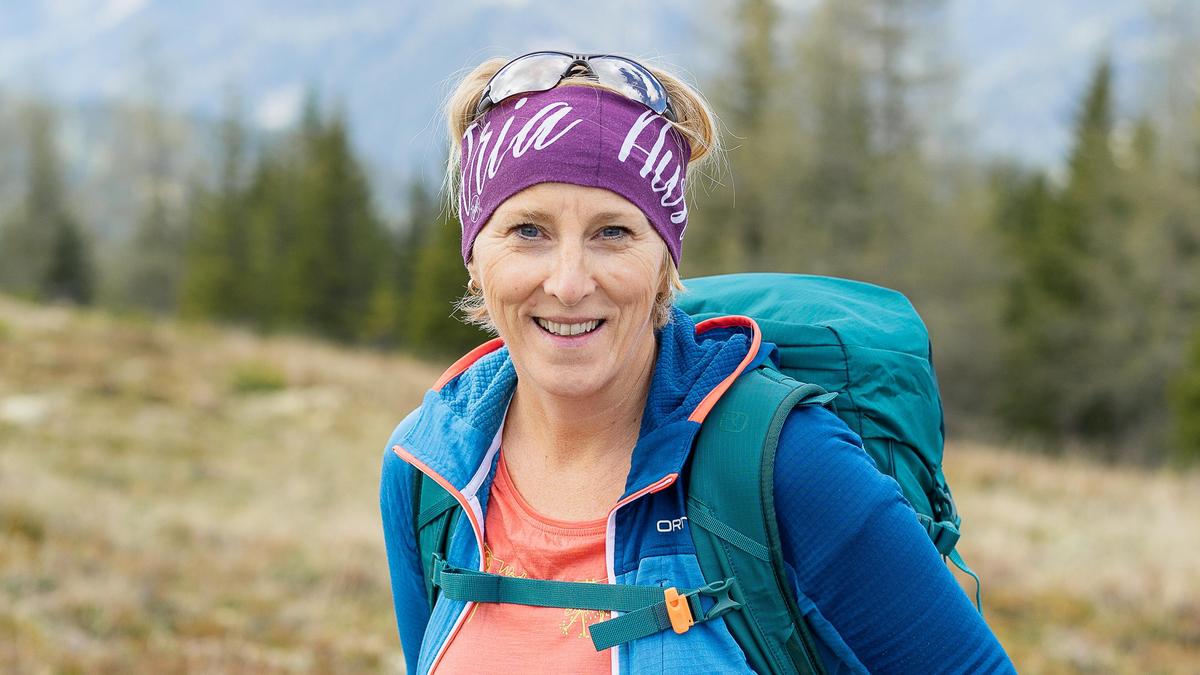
[[569, 277]]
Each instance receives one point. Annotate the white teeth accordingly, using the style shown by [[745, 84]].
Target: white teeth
[[569, 329]]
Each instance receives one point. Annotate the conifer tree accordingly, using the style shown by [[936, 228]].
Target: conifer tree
[[731, 224], [216, 280], [44, 252], [148, 270], [1026, 217], [439, 281], [154, 259], [1074, 320], [271, 218], [835, 180], [386, 323], [70, 274], [333, 250]]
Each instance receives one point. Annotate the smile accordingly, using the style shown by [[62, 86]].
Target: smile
[[568, 329]]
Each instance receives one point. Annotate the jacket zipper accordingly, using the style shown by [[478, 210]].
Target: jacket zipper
[[475, 527], [610, 543]]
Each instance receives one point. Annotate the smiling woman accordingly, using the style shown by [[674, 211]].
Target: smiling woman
[[552, 455], [472, 305], [587, 259]]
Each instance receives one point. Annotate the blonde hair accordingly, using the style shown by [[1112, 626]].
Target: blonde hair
[[695, 121]]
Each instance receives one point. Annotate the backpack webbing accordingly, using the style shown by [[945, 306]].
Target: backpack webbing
[[435, 513], [731, 511]]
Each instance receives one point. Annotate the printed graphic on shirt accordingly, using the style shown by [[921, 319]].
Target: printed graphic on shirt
[[574, 621], [583, 617]]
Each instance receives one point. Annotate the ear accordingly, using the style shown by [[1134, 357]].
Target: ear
[[472, 279]]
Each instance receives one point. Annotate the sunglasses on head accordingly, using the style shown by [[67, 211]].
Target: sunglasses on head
[[539, 71]]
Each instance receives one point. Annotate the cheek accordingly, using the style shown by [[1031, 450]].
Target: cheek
[[507, 283], [637, 280]]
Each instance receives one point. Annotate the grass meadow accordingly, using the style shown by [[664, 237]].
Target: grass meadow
[[178, 498]]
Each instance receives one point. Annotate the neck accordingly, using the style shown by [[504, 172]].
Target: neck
[[551, 433]]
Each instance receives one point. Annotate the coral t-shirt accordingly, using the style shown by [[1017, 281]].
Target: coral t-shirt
[[520, 542]]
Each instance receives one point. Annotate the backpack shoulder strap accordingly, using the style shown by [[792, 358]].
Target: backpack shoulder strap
[[435, 511], [731, 511]]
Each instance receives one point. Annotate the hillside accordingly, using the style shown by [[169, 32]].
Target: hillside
[[180, 498]]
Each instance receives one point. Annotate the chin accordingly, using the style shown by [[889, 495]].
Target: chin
[[569, 381]]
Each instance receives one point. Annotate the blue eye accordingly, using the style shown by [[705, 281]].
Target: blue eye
[[527, 231], [613, 232]]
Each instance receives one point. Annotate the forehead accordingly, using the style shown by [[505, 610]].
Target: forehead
[[550, 201]]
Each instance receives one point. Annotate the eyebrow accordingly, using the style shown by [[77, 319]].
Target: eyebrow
[[602, 217], [535, 214]]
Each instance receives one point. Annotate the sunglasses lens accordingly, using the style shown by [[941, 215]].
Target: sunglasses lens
[[540, 71], [533, 72], [631, 79]]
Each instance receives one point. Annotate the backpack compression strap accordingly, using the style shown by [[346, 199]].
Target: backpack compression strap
[[731, 511]]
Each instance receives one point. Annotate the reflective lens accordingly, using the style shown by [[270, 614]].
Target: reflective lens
[[539, 71], [631, 79]]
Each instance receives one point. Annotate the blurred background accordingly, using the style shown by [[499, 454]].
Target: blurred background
[[226, 273]]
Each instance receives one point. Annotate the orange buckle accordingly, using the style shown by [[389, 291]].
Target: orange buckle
[[678, 610]]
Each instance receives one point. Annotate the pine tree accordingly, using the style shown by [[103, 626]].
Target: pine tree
[[386, 323], [44, 252], [731, 226], [270, 220], [835, 182], [149, 268], [216, 278], [1026, 218], [154, 259], [70, 274], [439, 281], [1075, 311], [333, 250]]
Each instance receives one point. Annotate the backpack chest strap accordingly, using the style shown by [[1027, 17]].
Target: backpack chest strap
[[647, 609]]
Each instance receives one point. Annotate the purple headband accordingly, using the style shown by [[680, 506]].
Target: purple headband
[[580, 135]]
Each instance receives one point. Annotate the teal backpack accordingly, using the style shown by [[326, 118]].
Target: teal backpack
[[864, 345]]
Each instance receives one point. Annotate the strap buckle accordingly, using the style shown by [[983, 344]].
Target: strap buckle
[[682, 609], [722, 594], [436, 566], [679, 610]]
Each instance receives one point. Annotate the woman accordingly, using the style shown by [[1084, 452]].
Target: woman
[[562, 440]]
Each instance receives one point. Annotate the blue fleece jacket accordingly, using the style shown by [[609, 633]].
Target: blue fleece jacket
[[865, 574]]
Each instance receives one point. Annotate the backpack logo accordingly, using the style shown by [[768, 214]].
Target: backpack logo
[[670, 525], [734, 421]]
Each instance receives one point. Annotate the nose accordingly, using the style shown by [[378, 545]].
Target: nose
[[570, 279]]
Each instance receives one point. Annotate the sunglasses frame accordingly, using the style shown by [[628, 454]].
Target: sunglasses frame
[[577, 60]]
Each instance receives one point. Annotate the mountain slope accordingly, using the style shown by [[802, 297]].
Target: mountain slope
[[1021, 64]]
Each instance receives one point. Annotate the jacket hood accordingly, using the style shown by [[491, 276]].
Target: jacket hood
[[452, 432]]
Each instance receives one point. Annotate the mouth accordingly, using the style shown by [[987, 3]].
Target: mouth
[[568, 330]]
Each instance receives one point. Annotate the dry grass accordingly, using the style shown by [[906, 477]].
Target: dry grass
[[186, 499], [179, 499], [1086, 568]]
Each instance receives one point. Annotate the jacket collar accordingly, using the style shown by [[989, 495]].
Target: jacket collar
[[459, 417]]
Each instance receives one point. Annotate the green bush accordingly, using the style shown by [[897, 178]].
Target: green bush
[[257, 378], [22, 522]]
